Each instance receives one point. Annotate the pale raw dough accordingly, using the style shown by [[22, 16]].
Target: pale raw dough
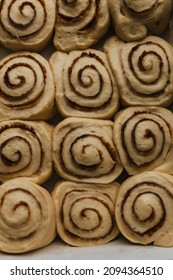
[[143, 138], [85, 212], [27, 88], [85, 86], [26, 25], [144, 209], [133, 19], [27, 220], [80, 24], [143, 70], [25, 150], [83, 151]]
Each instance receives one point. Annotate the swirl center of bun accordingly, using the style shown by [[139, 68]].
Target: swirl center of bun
[[141, 7], [26, 18]]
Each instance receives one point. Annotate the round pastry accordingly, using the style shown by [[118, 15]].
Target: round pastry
[[80, 24], [144, 209], [85, 86], [26, 24], [143, 70], [26, 87], [133, 19], [27, 216], [83, 151], [85, 213], [143, 138], [25, 150]]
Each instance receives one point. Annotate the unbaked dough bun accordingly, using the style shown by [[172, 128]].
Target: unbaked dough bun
[[85, 212], [144, 139], [25, 150], [80, 24], [83, 151], [26, 24], [27, 88], [133, 19], [144, 209], [85, 86], [143, 70], [27, 216]]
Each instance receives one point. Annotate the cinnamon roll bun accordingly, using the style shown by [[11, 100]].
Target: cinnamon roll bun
[[85, 86], [85, 213], [26, 24], [134, 19], [83, 151], [27, 216], [143, 138], [144, 209], [143, 70], [26, 87], [25, 150], [80, 24]]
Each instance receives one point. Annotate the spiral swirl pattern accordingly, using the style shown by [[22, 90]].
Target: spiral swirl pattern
[[80, 24], [133, 19], [85, 213], [83, 151], [27, 216], [85, 85], [26, 24], [137, 9], [25, 150], [143, 71], [144, 208], [25, 79], [143, 137]]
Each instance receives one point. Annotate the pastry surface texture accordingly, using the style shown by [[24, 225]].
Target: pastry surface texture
[[26, 24], [83, 151], [80, 24], [143, 70], [144, 209], [25, 150], [143, 138], [85, 86], [26, 87], [86, 101], [133, 19], [27, 216], [85, 212]]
